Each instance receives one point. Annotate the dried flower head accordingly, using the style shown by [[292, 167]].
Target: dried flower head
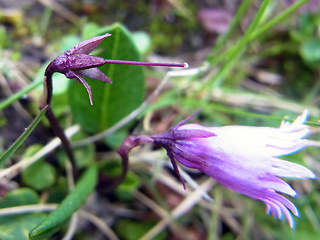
[[76, 63]]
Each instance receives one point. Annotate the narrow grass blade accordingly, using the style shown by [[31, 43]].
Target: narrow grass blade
[[10, 151], [265, 27], [238, 50], [19, 94], [69, 205], [214, 60], [235, 21]]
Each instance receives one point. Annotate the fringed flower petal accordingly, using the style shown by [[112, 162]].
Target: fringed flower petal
[[287, 169], [277, 204]]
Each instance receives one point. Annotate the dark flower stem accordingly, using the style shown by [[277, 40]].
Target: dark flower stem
[[128, 144], [54, 123], [64, 140]]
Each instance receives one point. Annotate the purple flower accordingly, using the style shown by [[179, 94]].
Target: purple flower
[[243, 158], [76, 63]]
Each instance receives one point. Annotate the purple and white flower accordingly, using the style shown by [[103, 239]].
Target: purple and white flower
[[244, 159]]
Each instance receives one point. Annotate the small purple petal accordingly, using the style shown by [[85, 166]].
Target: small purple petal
[[176, 169], [189, 158], [81, 61], [72, 75], [94, 73], [87, 46]]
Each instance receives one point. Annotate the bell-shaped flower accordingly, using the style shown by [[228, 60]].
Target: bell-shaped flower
[[244, 159]]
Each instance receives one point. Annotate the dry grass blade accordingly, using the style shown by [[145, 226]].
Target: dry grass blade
[[157, 209], [191, 200], [28, 209], [72, 227], [62, 11], [99, 224]]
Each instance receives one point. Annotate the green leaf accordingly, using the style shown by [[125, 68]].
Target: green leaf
[[69, 205], [11, 150], [310, 51], [84, 156], [18, 226], [40, 175], [19, 197], [111, 102], [128, 186], [88, 29], [142, 41], [115, 140], [131, 230]]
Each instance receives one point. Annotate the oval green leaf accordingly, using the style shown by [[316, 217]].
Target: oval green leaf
[[111, 102], [69, 205], [19, 197], [40, 175], [17, 226]]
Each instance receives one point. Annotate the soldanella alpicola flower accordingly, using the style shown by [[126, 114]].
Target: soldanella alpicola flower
[[76, 63], [242, 158]]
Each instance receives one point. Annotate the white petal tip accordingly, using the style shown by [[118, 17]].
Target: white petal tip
[[185, 65], [308, 174], [303, 117], [313, 176]]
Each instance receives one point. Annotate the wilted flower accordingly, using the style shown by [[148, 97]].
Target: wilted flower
[[77, 63], [242, 158]]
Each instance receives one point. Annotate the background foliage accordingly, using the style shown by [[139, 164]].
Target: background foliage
[[255, 63]]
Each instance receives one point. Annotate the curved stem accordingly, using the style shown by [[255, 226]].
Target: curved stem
[[129, 143], [64, 140], [54, 123]]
